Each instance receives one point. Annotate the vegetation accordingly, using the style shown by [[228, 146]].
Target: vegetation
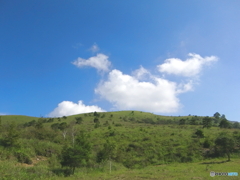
[[113, 145]]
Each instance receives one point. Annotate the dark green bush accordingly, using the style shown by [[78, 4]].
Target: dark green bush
[[118, 124], [22, 157]]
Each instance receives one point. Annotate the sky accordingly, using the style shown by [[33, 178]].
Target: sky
[[60, 58]]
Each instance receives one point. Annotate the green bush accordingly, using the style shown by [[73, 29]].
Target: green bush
[[206, 143], [199, 133], [118, 124], [22, 157]]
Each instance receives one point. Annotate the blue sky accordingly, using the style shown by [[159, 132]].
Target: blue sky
[[167, 57]]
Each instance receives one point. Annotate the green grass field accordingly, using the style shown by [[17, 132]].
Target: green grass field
[[175, 171]]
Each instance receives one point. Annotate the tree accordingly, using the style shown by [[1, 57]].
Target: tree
[[182, 122], [55, 126], [11, 138], [217, 118], [39, 124], [236, 125], [78, 155], [72, 131], [96, 120], [64, 133], [236, 136], [194, 120], [106, 152], [225, 144], [62, 126], [207, 122], [224, 124], [95, 114], [223, 116], [79, 120], [217, 115], [199, 133]]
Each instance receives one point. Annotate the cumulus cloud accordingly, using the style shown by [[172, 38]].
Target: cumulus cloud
[[189, 68], [128, 92], [66, 108], [100, 62], [94, 48]]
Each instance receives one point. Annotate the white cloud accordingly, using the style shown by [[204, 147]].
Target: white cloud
[[2, 114], [128, 92], [66, 108], [189, 68], [94, 48], [141, 73], [100, 62]]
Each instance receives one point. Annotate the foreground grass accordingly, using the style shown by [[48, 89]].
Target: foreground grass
[[175, 171]]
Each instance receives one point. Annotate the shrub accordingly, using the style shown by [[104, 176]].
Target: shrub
[[206, 143], [199, 133], [96, 120], [97, 125], [118, 124], [79, 120], [22, 157]]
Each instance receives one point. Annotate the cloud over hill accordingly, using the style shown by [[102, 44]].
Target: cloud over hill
[[141, 90]]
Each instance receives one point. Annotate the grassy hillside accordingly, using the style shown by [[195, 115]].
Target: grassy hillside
[[16, 118], [138, 145]]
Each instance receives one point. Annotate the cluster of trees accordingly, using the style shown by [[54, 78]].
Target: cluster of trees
[[40, 121], [223, 144], [217, 120]]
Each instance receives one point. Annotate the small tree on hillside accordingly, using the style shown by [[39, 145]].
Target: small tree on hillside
[[72, 131], [217, 115], [207, 122], [79, 120], [55, 126], [106, 152], [11, 137], [225, 144], [79, 155], [223, 116], [63, 126], [199, 133], [236, 125], [224, 124], [39, 124], [96, 120], [182, 122]]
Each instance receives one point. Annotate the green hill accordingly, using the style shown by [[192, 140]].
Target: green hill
[[33, 147]]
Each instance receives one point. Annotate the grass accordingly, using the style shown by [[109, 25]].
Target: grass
[[17, 118], [174, 171]]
